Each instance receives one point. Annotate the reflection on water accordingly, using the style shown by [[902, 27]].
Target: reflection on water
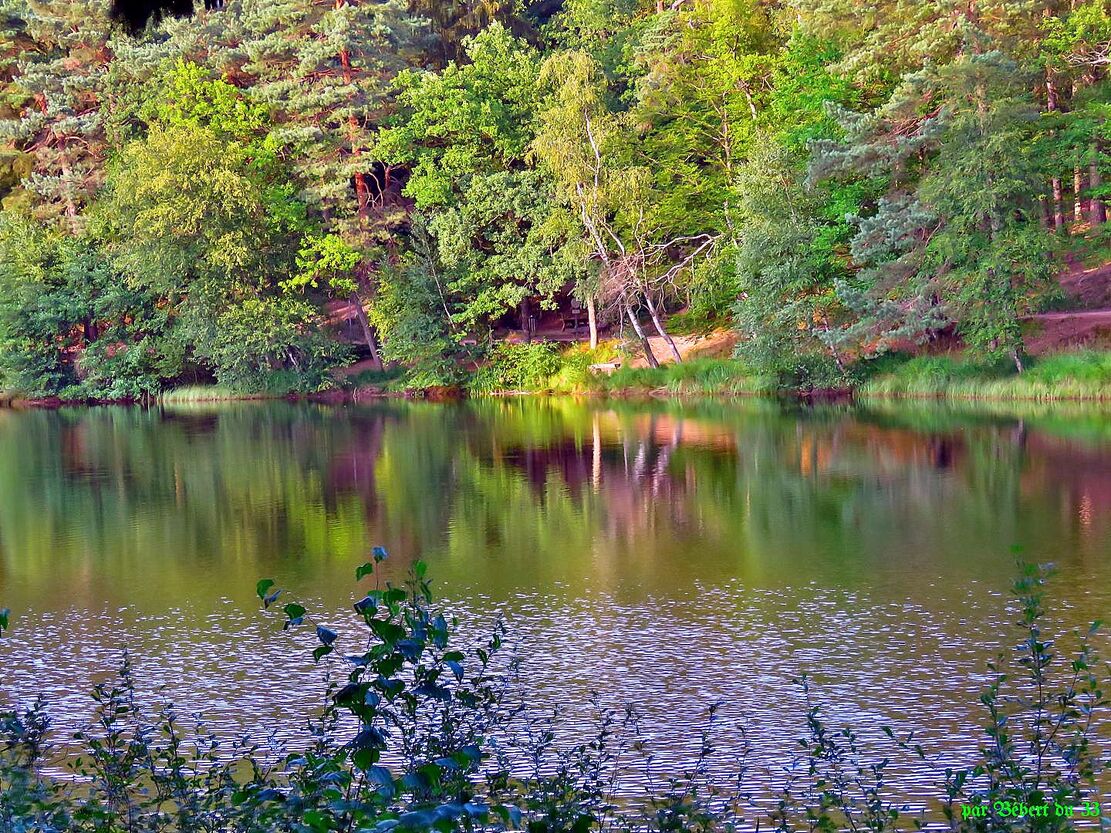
[[663, 554]]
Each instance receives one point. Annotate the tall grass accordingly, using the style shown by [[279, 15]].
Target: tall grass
[[206, 393], [694, 377], [1079, 375]]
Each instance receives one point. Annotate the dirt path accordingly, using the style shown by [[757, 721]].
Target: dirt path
[[716, 345], [1082, 315], [1089, 326], [1063, 330]]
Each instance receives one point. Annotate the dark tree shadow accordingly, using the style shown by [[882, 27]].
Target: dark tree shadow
[[135, 14]]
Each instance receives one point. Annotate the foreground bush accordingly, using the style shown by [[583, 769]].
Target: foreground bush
[[425, 737]]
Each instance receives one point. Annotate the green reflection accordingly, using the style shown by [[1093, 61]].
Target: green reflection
[[156, 508]]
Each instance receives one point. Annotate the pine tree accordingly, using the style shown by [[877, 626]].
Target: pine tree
[[327, 71], [60, 50], [957, 235]]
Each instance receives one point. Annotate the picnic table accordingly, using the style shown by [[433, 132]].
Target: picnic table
[[575, 318]]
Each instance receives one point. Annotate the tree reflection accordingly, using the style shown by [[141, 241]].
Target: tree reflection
[[535, 492]]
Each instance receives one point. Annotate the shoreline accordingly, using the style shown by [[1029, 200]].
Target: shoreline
[[810, 396], [1078, 376]]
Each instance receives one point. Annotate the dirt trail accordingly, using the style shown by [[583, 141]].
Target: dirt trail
[[1089, 326], [715, 345]]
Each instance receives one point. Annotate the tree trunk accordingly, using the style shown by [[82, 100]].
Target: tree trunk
[[524, 314], [592, 321], [362, 187], [72, 214], [1058, 204], [1077, 200], [649, 356], [1097, 211], [1053, 106], [368, 332], [1016, 356], [660, 329]]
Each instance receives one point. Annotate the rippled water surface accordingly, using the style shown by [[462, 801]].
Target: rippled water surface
[[666, 555]]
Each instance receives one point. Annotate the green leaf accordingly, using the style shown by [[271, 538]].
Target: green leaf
[[316, 820], [366, 759], [394, 595], [364, 570], [263, 587]]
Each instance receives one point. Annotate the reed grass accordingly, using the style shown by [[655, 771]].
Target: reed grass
[[206, 393], [1082, 374]]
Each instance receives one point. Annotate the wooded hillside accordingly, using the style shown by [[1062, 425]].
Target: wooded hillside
[[195, 200]]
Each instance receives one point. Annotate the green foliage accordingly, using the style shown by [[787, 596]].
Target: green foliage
[[838, 183], [469, 119], [516, 367], [325, 262], [464, 133], [788, 313], [574, 374], [694, 377], [190, 97], [407, 313], [324, 72], [68, 324]]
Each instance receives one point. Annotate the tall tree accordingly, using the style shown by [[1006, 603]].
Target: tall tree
[[464, 134], [326, 70], [956, 237]]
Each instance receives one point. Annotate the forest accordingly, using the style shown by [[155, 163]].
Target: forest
[[260, 192]]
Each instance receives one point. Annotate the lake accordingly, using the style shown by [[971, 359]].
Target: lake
[[669, 555]]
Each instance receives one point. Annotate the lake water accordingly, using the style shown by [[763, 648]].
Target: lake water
[[662, 554]]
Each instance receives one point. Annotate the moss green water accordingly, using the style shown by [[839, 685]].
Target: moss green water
[[667, 554]]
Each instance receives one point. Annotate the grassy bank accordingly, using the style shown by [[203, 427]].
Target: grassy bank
[[543, 368], [1080, 375], [206, 393], [694, 377]]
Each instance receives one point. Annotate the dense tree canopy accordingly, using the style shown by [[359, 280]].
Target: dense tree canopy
[[204, 196]]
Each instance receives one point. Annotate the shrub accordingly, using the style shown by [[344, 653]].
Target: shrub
[[697, 377], [511, 367], [575, 375]]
